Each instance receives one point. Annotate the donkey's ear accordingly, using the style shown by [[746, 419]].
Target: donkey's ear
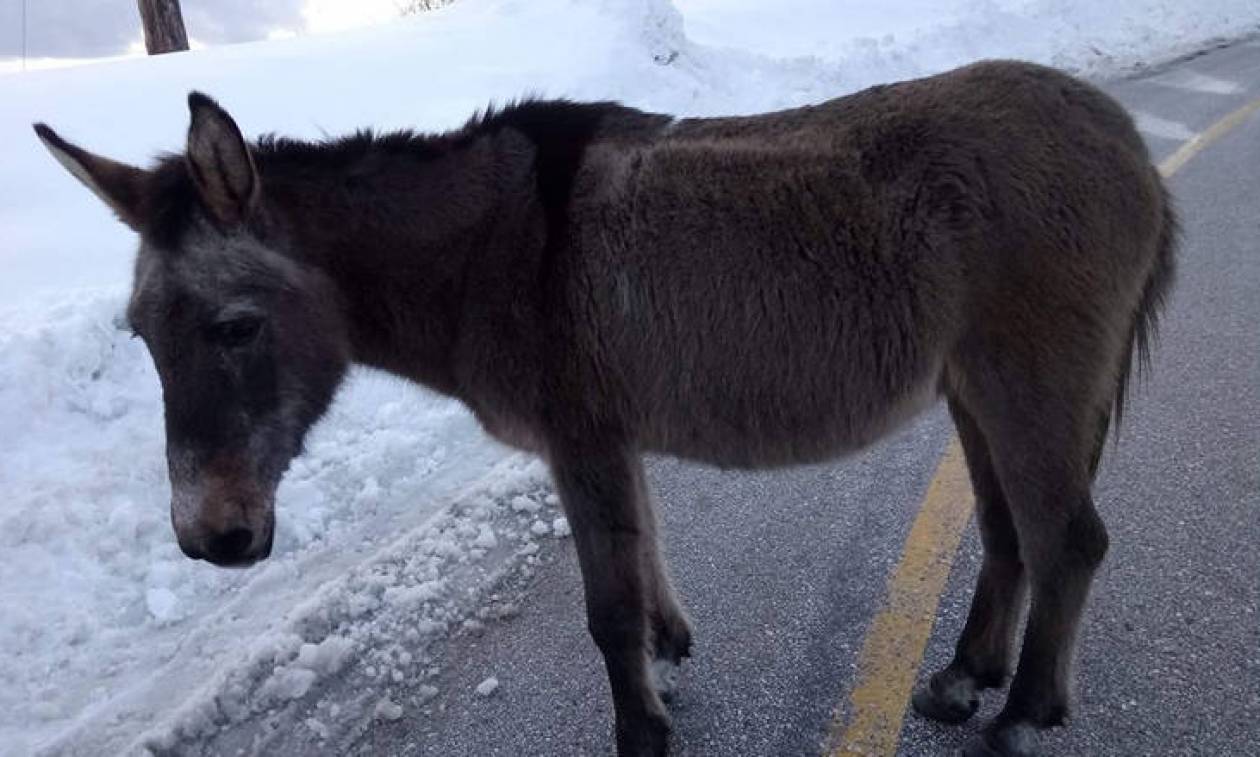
[[220, 162], [121, 186]]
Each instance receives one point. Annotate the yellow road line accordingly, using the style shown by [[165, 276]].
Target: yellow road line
[[894, 644], [1182, 156], [893, 650]]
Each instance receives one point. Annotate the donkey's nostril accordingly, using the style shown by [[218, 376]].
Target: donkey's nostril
[[192, 552], [230, 545]]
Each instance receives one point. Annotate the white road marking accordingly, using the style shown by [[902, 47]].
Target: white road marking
[[1196, 82], [1162, 127]]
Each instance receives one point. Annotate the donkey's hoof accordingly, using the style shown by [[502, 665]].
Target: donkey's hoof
[[1009, 741], [946, 704], [665, 678]]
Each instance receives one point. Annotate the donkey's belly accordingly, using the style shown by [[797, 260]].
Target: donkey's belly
[[730, 431]]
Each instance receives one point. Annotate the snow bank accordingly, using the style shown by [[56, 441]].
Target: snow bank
[[101, 608], [400, 514], [875, 42], [378, 623]]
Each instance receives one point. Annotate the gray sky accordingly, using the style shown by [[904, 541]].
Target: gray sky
[[95, 28]]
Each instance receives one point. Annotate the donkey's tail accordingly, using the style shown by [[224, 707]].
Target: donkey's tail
[[1146, 317]]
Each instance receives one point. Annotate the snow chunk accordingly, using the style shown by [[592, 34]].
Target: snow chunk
[[410, 596], [163, 605], [326, 657], [523, 504], [387, 709], [540, 528], [561, 527], [488, 687], [486, 538], [318, 727], [289, 683]]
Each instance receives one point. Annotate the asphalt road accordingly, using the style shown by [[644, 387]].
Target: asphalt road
[[783, 572]]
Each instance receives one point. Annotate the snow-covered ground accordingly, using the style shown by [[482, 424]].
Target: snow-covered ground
[[395, 523]]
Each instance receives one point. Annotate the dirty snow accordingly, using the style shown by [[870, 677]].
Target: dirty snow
[[397, 523], [487, 687], [387, 709]]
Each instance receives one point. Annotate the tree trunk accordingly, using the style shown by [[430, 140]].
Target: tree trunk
[[163, 26]]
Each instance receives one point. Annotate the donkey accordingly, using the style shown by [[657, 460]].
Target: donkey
[[595, 281]]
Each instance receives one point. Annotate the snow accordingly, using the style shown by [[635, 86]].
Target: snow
[[525, 505], [388, 710], [316, 725], [163, 605], [398, 520], [326, 657], [487, 687], [486, 538]]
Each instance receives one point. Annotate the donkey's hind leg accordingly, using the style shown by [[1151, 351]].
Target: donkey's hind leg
[[983, 654], [1042, 433], [671, 630], [602, 489]]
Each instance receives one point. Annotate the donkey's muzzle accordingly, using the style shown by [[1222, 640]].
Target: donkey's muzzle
[[229, 547], [237, 547]]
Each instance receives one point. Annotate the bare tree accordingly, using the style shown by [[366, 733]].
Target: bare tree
[[410, 7], [163, 26]]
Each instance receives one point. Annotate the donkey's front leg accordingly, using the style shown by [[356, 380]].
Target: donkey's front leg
[[603, 493]]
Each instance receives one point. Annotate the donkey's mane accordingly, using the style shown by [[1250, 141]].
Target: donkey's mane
[[559, 129]]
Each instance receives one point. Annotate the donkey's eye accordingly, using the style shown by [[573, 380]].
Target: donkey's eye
[[236, 332]]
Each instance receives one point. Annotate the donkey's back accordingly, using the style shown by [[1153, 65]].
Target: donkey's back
[[785, 287]]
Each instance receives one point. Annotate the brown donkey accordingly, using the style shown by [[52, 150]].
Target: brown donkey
[[595, 282]]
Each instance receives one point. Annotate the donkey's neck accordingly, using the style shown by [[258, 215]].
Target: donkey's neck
[[397, 226]]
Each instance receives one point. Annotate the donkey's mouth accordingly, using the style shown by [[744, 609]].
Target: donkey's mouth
[[236, 548], [243, 562]]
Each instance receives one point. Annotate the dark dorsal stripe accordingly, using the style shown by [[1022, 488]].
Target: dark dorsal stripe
[[559, 129]]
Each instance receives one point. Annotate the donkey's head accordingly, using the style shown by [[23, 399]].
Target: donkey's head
[[248, 341]]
